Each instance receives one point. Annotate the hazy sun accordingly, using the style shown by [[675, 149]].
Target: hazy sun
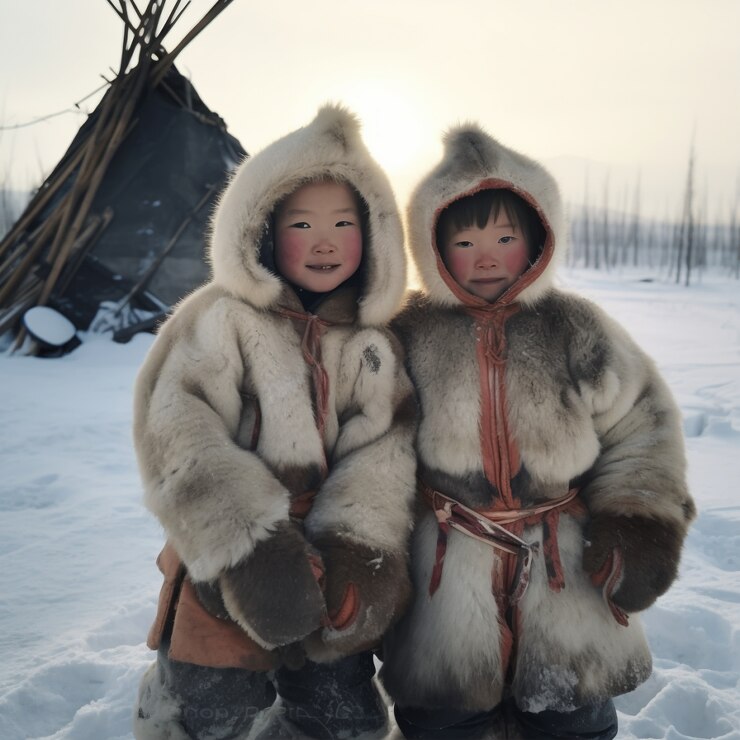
[[391, 128]]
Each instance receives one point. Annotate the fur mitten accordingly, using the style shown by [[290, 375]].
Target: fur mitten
[[646, 552], [274, 593], [366, 590]]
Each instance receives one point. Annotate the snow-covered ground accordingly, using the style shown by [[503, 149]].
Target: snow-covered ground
[[78, 584]]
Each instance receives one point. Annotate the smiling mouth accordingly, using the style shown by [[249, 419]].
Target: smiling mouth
[[487, 281], [322, 268]]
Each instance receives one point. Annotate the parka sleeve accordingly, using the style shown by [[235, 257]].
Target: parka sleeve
[[641, 466], [369, 493], [215, 499]]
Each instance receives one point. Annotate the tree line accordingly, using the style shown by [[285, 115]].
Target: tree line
[[680, 248]]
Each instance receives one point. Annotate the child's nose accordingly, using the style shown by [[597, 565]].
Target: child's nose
[[324, 245], [487, 260]]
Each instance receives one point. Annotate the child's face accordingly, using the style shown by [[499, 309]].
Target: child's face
[[487, 261], [318, 238]]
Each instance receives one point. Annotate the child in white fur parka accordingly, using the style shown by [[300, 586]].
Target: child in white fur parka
[[551, 466], [274, 429]]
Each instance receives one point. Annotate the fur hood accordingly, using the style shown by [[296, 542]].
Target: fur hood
[[472, 161], [329, 146]]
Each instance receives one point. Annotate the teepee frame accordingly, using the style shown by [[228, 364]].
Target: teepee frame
[[35, 265]]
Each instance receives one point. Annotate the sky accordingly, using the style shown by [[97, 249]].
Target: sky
[[607, 94]]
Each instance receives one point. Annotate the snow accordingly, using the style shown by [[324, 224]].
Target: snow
[[77, 548]]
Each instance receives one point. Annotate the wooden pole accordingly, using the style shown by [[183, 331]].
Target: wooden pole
[[160, 69], [40, 200]]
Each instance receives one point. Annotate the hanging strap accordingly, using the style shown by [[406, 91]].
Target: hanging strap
[[311, 348]]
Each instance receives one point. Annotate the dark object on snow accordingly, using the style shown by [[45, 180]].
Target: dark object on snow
[[54, 333], [122, 218]]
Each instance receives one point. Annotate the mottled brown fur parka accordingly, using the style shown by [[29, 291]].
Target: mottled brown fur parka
[[525, 400]]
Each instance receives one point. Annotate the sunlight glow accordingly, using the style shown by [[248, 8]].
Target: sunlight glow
[[391, 126]]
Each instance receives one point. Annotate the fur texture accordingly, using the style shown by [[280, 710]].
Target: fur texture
[[584, 406], [269, 610], [224, 422]]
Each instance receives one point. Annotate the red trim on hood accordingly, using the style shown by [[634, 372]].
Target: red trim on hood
[[526, 279]]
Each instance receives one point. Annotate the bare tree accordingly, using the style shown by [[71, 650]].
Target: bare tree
[[735, 229], [605, 223], [587, 228], [634, 236], [735, 240], [685, 235]]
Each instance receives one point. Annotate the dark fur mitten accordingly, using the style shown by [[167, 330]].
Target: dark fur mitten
[[650, 551], [366, 590], [274, 593]]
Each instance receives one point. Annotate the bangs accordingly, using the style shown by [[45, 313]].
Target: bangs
[[477, 209]]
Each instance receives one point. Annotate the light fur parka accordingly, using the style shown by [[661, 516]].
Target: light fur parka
[[226, 361], [584, 407]]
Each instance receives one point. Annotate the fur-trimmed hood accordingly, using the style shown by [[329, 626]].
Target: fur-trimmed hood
[[329, 146], [472, 161]]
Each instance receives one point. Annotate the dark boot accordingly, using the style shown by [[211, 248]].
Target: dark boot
[[326, 702], [592, 722], [444, 724], [181, 700]]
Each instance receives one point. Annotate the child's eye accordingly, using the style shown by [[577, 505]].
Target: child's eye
[[300, 225], [464, 244], [344, 223], [506, 239]]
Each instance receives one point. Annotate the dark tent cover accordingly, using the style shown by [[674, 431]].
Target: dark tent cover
[[176, 155]]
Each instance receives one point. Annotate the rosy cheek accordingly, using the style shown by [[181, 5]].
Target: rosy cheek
[[354, 245], [456, 261], [516, 260], [289, 250]]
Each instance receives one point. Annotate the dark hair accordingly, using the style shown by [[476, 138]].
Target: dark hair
[[362, 207], [479, 207]]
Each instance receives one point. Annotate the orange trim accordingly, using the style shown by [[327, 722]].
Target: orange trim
[[500, 589], [348, 610], [173, 571], [500, 454], [470, 300], [569, 503], [609, 577]]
